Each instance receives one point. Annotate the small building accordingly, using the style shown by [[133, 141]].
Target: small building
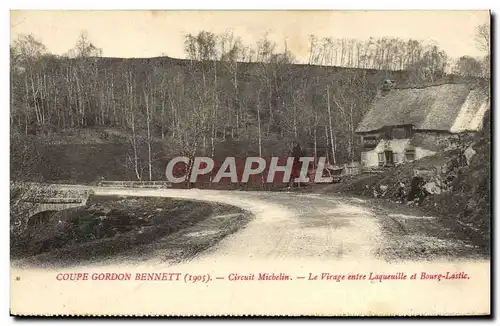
[[406, 124]]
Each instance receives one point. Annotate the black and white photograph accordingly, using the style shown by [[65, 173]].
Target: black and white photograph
[[264, 163]]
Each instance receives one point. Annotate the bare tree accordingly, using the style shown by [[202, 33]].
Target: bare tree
[[148, 98], [483, 44], [332, 137], [483, 37], [133, 139]]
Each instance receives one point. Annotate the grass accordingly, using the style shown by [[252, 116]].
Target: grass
[[130, 228]]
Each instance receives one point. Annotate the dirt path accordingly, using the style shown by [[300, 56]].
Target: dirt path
[[293, 234], [302, 226], [287, 225]]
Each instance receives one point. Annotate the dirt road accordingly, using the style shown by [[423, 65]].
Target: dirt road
[[298, 235], [288, 225], [302, 226]]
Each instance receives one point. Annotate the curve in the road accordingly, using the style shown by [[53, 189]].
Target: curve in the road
[[286, 225]]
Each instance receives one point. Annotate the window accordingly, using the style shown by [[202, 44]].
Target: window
[[410, 154], [381, 160], [395, 157]]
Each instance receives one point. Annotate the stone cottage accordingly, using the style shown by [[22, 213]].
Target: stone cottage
[[406, 124]]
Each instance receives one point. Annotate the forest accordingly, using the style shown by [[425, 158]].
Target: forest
[[223, 91]]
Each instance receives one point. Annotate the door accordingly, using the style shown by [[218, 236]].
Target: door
[[389, 158]]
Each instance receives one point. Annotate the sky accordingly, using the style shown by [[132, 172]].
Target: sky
[[128, 33]]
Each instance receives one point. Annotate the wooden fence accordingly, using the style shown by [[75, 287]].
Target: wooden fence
[[136, 184], [352, 169]]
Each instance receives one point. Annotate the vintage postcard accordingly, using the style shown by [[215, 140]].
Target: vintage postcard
[[250, 163]]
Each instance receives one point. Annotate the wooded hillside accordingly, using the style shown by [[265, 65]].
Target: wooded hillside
[[225, 90]]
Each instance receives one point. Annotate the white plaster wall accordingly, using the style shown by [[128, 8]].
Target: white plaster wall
[[369, 158], [398, 146], [395, 145]]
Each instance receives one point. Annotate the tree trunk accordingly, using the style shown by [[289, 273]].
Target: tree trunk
[[315, 138], [148, 124], [259, 130], [331, 128], [326, 147], [134, 145]]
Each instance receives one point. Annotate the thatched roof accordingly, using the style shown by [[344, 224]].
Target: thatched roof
[[447, 107]]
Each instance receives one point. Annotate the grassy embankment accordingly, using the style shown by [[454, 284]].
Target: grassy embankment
[[127, 228]]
